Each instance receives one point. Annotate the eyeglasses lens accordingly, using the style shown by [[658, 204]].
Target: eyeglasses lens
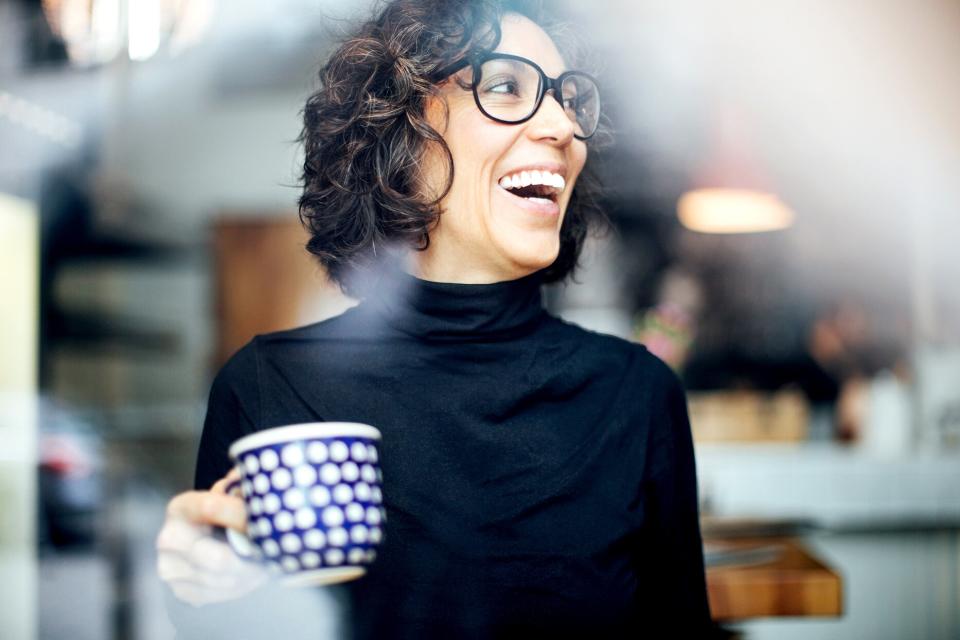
[[508, 90], [581, 101]]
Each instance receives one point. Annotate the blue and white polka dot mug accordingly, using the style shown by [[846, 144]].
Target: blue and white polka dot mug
[[314, 500]]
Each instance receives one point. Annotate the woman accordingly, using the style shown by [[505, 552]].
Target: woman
[[539, 478]]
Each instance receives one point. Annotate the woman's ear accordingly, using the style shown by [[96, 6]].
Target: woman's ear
[[434, 169], [437, 113]]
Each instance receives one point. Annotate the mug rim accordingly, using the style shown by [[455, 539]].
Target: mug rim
[[301, 431]]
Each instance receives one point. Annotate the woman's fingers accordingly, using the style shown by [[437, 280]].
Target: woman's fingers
[[220, 486], [172, 567], [179, 535], [198, 586], [199, 568], [209, 554], [204, 507]]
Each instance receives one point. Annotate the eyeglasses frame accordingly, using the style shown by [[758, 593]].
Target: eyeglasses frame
[[547, 83]]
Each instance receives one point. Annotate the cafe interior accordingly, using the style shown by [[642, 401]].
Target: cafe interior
[[783, 186]]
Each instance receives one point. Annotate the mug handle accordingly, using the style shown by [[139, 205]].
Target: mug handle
[[239, 542]]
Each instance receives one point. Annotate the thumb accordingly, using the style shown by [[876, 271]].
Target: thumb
[[220, 486]]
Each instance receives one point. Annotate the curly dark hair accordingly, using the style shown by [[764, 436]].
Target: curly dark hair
[[365, 132]]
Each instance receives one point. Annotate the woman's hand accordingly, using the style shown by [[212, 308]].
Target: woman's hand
[[199, 568]]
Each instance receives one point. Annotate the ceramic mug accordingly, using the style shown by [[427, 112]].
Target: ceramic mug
[[314, 500]]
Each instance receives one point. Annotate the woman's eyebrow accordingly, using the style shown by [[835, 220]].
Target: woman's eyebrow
[[563, 69]]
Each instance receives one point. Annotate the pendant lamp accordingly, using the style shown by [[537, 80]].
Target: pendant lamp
[[730, 193]]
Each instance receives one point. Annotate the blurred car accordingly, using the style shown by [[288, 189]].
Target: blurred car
[[70, 472]]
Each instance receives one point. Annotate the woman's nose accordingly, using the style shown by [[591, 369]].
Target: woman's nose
[[551, 120]]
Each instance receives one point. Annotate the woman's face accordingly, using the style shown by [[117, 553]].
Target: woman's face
[[486, 233]]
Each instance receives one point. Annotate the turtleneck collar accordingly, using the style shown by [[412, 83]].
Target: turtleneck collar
[[448, 311]]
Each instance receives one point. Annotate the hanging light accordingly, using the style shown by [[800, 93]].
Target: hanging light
[[730, 193], [727, 210], [95, 31]]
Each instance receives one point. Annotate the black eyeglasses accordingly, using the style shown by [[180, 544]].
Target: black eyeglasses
[[510, 89]]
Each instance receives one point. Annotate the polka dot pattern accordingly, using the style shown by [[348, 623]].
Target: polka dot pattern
[[314, 504], [271, 503], [293, 499], [292, 454]]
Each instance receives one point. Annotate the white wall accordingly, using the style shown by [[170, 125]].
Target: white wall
[[18, 373]]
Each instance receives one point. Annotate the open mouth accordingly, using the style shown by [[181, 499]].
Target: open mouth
[[542, 187]]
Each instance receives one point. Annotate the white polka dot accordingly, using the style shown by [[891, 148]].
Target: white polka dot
[[256, 505], [376, 535], [332, 516], [274, 568], [330, 474], [355, 556], [358, 533], [317, 452], [368, 473], [310, 559], [373, 516], [375, 495], [252, 529], [292, 454], [252, 464], [339, 451], [270, 547], [269, 460], [281, 479], [261, 483], [357, 451], [350, 471], [314, 539], [333, 556], [290, 543], [362, 491], [319, 496], [342, 493], [246, 487], [265, 527], [354, 512], [337, 536], [371, 555], [371, 453], [271, 503], [290, 564], [305, 475], [283, 521], [305, 518], [293, 499]]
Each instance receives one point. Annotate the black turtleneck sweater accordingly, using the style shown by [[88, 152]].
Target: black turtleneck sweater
[[538, 478]]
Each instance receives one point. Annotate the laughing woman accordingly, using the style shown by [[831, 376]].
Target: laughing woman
[[539, 478]]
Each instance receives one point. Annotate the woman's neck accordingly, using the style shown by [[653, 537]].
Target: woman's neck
[[426, 266]]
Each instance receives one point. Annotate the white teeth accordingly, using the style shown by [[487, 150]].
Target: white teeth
[[527, 178]]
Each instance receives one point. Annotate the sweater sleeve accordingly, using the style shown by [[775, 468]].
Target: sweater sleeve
[[233, 411], [673, 593]]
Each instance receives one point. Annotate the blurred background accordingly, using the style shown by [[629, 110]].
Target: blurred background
[[785, 192]]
